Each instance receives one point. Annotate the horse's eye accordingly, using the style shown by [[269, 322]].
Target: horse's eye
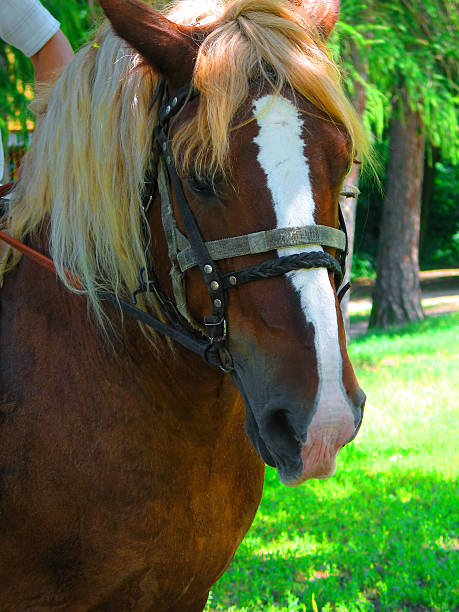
[[202, 187]]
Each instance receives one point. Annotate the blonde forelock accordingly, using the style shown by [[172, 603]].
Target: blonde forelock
[[270, 40]]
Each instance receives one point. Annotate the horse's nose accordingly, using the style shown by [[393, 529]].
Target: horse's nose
[[327, 433], [283, 429]]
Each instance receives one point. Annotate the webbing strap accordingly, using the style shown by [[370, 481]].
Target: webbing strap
[[262, 242], [39, 258], [215, 322], [171, 232]]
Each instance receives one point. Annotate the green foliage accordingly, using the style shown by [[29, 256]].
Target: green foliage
[[442, 238], [13, 102], [381, 534], [402, 52], [363, 266], [441, 244], [76, 20]]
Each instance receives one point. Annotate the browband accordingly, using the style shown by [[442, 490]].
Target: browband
[[261, 242]]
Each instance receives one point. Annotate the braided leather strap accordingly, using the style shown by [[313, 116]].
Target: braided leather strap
[[281, 265]]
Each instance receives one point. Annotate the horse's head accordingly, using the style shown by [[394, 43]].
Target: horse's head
[[266, 145]]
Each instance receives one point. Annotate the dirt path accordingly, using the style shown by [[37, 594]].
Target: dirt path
[[440, 294]]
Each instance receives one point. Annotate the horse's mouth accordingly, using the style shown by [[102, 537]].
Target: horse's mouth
[[314, 460], [251, 428], [289, 469]]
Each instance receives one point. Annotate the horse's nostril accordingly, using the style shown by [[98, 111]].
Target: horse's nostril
[[276, 422], [277, 431]]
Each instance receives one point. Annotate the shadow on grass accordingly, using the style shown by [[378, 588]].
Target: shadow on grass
[[385, 542]]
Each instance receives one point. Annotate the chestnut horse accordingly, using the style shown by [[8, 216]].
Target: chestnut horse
[[129, 469]]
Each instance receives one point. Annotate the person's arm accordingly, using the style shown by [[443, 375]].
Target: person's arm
[[54, 55]]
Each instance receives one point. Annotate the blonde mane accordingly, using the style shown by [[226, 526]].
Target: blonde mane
[[83, 176]]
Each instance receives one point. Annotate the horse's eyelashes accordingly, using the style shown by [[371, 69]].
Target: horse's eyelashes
[[202, 187]]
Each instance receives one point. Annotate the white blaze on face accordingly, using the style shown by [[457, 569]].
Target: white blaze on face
[[282, 157]]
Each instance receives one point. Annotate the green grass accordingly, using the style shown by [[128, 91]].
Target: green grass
[[358, 317], [383, 534]]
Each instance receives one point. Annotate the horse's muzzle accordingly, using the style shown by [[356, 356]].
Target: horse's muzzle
[[298, 457]]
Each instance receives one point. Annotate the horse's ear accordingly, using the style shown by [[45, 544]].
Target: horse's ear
[[170, 48], [324, 13]]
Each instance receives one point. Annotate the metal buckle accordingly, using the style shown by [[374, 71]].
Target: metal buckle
[[211, 324]]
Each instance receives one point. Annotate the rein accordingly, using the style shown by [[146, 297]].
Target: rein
[[201, 347], [188, 251]]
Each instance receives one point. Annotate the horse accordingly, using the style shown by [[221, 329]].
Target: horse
[[190, 162]]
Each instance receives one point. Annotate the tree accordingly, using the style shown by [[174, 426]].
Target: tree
[[397, 294], [421, 85], [408, 57]]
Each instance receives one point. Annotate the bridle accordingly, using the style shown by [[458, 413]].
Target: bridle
[[186, 251], [189, 251]]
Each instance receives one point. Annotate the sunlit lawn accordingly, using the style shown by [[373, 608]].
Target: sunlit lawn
[[383, 534]]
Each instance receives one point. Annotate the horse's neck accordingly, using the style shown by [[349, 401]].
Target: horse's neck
[[174, 378], [179, 379], [165, 377]]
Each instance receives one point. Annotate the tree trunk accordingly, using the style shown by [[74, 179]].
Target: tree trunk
[[397, 293]]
